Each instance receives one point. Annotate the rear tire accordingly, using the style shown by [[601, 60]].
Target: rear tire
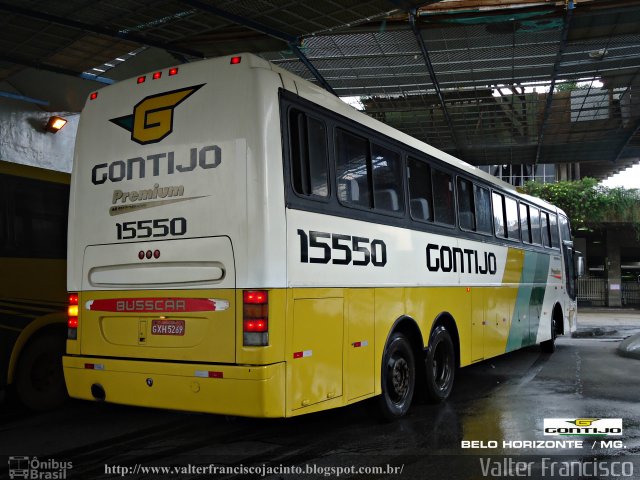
[[398, 377], [39, 379], [440, 365], [549, 346]]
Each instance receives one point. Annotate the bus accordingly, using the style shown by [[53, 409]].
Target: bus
[[242, 242], [33, 297]]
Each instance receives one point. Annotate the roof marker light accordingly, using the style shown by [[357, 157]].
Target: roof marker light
[[235, 60], [173, 71], [157, 75], [141, 79], [93, 96]]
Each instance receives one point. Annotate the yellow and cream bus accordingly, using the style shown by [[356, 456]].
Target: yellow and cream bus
[[242, 242], [33, 298]]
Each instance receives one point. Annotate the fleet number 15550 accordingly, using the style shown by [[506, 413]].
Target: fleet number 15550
[[341, 249], [160, 227]]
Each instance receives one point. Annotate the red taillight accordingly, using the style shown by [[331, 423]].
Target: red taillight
[[255, 318], [157, 75], [235, 60], [256, 297], [72, 317], [93, 96], [141, 79], [173, 71], [156, 254], [257, 325]]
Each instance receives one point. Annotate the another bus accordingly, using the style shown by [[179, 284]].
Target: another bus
[[242, 242], [33, 299]]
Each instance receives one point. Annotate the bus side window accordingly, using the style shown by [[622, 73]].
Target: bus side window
[[3, 218], [544, 221], [466, 209], [553, 226], [387, 179], [420, 193], [565, 229], [483, 209], [513, 227], [525, 229], [498, 215], [443, 208], [352, 171], [309, 159], [534, 216], [39, 210]]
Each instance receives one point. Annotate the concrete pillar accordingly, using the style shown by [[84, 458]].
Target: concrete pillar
[[614, 273], [562, 171]]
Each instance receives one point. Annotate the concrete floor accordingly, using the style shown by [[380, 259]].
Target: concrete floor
[[503, 399]]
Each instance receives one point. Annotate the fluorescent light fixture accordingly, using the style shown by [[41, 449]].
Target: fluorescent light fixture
[[55, 123]]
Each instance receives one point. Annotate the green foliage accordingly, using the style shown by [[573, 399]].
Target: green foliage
[[589, 204], [566, 87]]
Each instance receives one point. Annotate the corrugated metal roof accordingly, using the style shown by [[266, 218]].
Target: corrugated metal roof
[[486, 58]]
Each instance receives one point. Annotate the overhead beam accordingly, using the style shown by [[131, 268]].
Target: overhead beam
[[634, 132], [52, 68], [67, 22], [554, 75], [432, 74], [291, 40], [24, 98]]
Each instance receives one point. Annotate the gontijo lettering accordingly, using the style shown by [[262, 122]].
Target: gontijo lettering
[[159, 163], [454, 259]]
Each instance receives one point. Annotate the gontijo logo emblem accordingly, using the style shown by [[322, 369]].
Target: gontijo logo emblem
[[152, 118], [583, 426]]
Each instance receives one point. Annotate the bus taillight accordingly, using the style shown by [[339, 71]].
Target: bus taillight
[[72, 317], [255, 318]]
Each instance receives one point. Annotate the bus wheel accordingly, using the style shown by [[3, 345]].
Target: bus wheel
[[398, 377], [39, 380], [549, 346], [440, 365]]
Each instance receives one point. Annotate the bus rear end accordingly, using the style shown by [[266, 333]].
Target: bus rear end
[[168, 307]]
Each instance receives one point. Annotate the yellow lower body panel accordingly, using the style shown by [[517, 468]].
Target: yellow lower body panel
[[250, 391]]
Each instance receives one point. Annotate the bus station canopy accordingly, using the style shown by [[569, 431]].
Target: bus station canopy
[[492, 82]]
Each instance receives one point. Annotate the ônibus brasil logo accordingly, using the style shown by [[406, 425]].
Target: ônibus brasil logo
[[152, 117], [583, 426]]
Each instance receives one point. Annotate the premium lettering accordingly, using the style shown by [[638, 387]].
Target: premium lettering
[[149, 194]]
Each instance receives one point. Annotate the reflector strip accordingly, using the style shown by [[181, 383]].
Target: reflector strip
[[94, 366], [363, 343], [151, 305], [306, 353], [207, 374]]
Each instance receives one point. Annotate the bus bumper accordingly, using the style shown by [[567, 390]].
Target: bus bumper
[[248, 391]]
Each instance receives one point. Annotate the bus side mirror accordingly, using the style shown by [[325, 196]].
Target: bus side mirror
[[579, 263]]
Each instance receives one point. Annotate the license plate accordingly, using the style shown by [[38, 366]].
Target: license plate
[[167, 327]]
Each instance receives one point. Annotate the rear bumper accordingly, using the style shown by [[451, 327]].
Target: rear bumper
[[249, 391]]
